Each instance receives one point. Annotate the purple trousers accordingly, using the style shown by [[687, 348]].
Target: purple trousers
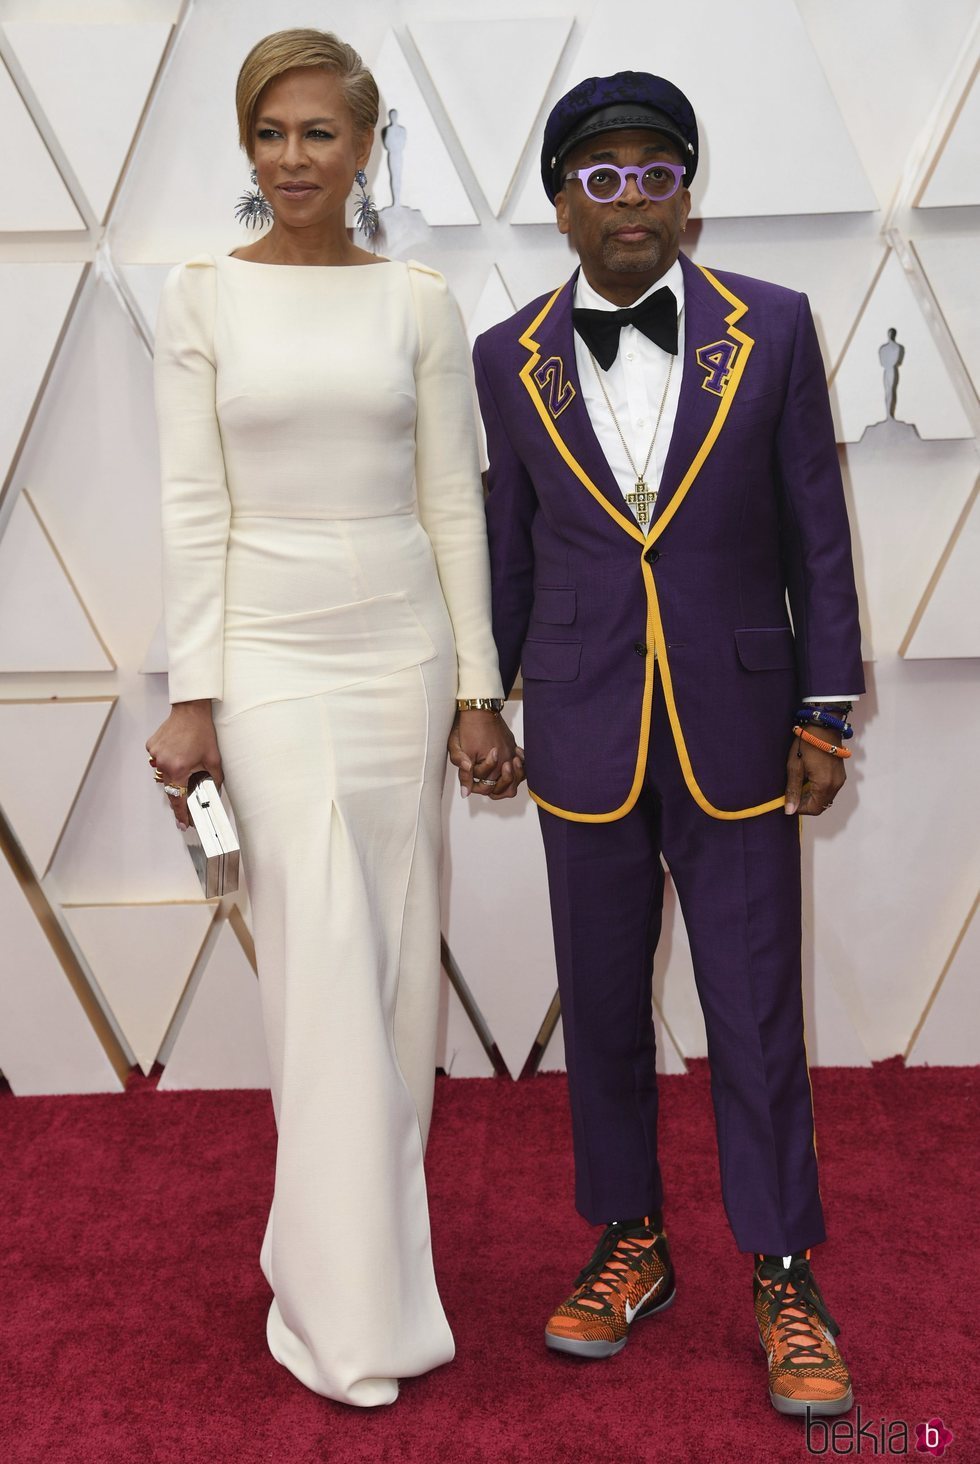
[[738, 883]]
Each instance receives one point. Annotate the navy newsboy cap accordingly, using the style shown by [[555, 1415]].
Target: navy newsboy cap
[[603, 103]]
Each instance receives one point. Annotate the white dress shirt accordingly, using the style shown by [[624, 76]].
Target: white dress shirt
[[635, 385]]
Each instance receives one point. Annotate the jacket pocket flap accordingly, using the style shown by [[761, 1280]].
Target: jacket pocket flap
[[766, 650], [543, 660], [553, 606]]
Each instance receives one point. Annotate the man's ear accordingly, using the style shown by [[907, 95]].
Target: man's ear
[[561, 212]]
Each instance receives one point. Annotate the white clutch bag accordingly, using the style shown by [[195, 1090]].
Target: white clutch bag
[[211, 840]]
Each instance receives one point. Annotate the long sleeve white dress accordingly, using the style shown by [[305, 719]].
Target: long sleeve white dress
[[327, 585]]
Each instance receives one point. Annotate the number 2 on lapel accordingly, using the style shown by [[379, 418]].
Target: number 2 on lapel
[[550, 375], [717, 360]]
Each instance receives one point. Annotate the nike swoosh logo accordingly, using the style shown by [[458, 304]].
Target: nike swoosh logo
[[631, 1311]]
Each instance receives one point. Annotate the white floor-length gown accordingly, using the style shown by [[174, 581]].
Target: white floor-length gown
[[327, 585]]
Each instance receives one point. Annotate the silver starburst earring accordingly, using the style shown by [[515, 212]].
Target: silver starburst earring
[[365, 209], [253, 208]]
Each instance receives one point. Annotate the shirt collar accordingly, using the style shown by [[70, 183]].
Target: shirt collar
[[589, 299]]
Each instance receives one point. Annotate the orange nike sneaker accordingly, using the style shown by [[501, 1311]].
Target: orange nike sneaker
[[806, 1372], [629, 1276]]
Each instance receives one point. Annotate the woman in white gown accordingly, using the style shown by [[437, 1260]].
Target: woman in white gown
[[327, 603]]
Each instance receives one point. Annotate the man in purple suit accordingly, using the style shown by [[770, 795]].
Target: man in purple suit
[[663, 475]]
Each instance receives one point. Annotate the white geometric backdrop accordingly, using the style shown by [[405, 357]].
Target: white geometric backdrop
[[840, 156]]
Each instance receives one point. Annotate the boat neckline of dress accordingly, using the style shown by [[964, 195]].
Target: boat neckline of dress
[[266, 264]]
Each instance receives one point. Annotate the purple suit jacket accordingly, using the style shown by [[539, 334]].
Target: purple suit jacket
[[750, 508]]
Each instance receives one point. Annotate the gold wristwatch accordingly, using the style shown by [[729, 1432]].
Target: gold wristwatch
[[479, 704]]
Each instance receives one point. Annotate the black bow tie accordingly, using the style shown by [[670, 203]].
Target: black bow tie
[[656, 316]]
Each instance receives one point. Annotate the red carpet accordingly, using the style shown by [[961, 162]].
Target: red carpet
[[132, 1308]]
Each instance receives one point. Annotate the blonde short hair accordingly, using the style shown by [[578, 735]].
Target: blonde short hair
[[286, 50]]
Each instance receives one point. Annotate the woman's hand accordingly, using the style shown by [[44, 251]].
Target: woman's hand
[[482, 747], [185, 744]]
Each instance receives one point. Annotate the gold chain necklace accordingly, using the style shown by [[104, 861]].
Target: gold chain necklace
[[643, 499]]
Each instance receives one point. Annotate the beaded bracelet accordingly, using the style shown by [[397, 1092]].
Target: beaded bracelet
[[821, 717], [827, 747]]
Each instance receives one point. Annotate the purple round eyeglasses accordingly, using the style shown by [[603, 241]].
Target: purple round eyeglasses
[[604, 182]]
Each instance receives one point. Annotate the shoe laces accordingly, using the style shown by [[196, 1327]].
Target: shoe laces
[[617, 1258], [795, 1305]]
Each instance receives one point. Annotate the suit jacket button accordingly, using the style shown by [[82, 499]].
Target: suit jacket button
[[652, 554], [640, 648]]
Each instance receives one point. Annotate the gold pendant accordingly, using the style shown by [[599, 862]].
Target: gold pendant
[[642, 501]]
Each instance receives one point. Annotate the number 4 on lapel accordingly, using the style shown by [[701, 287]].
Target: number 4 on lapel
[[717, 360]]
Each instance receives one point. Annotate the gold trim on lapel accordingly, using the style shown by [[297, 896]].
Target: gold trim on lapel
[[745, 344], [527, 377], [656, 639]]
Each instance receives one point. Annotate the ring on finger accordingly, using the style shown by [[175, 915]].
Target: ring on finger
[[174, 790], [487, 782]]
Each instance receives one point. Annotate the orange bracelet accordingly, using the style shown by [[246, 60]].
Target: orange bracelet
[[827, 747]]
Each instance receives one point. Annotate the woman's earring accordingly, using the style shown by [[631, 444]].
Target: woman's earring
[[253, 209], [365, 209]]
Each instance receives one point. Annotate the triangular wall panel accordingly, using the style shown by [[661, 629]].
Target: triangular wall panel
[[945, 1038], [493, 306], [947, 623], [950, 264], [156, 662], [43, 624], [87, 462], [833, 1010], [511, 976], [905, 498], [141, 956], [220, 1043], [532, 206], [466, 60], [430, 182], [92, 82], [45, 751], [459, 1051], [553, 1057], [47, 1044], [34, 301], [874, 53], [145, 861], [955, 179], [33, 196], [790, 153], [675, 994], [926, 396], [145, 283]]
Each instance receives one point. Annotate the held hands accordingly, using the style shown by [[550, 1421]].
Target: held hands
[[482, 747], [813, 778], [183, 745]]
